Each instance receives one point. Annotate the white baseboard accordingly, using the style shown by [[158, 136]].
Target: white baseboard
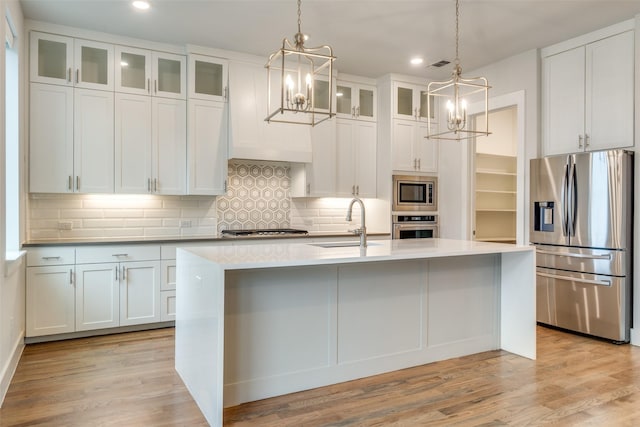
[[10, 367]]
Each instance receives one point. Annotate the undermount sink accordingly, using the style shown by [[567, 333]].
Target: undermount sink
[[340, 244]]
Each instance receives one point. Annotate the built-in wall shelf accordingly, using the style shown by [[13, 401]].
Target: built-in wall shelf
[[495, 198]]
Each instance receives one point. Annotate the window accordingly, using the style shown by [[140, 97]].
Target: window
[[12, 156]]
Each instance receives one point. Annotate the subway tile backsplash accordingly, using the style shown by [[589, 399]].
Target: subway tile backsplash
[[257, 197]]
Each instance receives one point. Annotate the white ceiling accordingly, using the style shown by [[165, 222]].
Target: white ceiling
[[369, 37]]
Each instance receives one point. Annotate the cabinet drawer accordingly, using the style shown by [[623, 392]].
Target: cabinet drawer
[[168, 252], [120, 253], [50, 256]]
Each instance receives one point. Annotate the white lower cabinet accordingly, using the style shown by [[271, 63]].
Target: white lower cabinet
[[97, 291], [168, 289], [99, 287], [50, 300], [139, 292]]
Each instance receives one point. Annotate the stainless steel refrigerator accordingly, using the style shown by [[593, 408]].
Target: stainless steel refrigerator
[[582, 227]]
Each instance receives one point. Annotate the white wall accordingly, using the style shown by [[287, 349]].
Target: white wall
[[517, 73], [12, 296]]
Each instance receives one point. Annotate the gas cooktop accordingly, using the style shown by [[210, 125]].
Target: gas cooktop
[[264, 232]]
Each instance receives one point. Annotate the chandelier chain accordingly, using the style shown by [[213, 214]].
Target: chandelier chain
[[299, 15], [457, 26]]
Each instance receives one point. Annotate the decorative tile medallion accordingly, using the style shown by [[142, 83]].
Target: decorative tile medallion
[[257, 197]]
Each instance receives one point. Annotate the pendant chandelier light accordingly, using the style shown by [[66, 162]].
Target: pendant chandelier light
[[455, 94], [299, 82]]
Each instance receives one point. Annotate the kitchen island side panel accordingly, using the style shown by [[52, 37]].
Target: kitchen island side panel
[[200, 331]]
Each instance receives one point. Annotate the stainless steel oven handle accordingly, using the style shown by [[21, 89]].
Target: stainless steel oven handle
[[568, 254], [576, 279]]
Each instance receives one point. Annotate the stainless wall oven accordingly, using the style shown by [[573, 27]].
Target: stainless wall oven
[[415, 226], [414, 193]]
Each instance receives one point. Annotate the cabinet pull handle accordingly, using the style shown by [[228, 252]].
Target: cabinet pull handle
[[155, 185], [71, 276], [579, 141], [353, 190], [77, 75], [357, 190], [124, 273], [49, 258], [148, 85], [148, 185], [155, 86], [78, 183], [117, 273], [358, 111], [120, 255], [225, 185], [70, 183], [69, 75], [353, 111], [225, 93], [586, 140], [308, 188], [419, 164], [415, 164]]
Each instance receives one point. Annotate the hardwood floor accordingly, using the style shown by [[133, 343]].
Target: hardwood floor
[[129, 380]]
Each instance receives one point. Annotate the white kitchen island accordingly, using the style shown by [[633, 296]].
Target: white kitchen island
[[256, 321]]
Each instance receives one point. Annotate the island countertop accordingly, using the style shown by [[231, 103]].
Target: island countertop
[[298, 254]]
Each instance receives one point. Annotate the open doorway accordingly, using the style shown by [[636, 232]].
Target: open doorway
[[495, 174], [496, 179]]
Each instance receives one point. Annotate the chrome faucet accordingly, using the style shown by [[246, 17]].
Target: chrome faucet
[[362, 231]]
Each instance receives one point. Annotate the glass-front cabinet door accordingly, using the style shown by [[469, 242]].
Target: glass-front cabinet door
[[51, 59], [71, 62], [93, 65], [133, 70], [411, 102], [207, 78], [356, 101], [169, 75]]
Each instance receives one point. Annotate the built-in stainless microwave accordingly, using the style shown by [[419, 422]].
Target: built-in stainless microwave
[[415, 193]]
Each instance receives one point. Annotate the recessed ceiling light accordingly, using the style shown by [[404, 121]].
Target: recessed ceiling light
[[141, 4], [416, 61]]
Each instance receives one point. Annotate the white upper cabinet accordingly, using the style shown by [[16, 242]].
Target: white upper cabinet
[[207, 147], [208, 78], [51, 139], [71, 62], [146, 72], [318, 178], [356, 159], [588, 95], [71, 140], [412, 152], [133, 144], [93, 141], [169, 146], [411, 102], [355, 101]]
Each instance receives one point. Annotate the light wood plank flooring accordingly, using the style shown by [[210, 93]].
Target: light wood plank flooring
[[129, 380]]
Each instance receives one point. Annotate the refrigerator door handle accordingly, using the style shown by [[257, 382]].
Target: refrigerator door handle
[[563, 201], [573, 200], [568, 254], [576, 279]]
